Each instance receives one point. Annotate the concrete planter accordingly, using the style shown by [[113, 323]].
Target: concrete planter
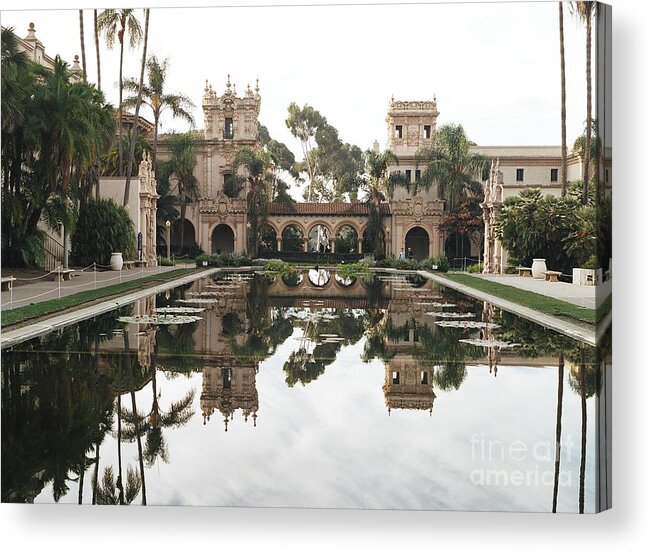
[[586, 277], [538, 268], [116, 261]]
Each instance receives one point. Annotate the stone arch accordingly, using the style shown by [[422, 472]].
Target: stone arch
[[222, 239], [417, 241], [367, 241], [268, 238], [313, 236], [293, 237], [189, 238], [346, 236]]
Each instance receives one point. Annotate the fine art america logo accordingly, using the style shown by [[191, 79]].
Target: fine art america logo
[[517, 463]]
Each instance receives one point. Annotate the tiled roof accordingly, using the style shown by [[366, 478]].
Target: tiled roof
[[326, 209]]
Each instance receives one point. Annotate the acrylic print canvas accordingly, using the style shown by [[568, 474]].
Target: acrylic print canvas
[[324, 256]]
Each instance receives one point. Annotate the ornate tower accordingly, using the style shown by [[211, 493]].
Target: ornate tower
[[231, 119], [416, 214]]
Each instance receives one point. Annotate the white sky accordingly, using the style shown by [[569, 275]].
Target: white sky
[[494, 67]]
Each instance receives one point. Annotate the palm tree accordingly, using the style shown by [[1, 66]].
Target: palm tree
[[109, 491], [584, 11], [134, 128], [115, 23], [83, 44], [379, 186], [183, 159], [563, 107], [451, 164], [154, 96], [258, 184]]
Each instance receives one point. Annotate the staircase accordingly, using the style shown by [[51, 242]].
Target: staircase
[[53, 253]]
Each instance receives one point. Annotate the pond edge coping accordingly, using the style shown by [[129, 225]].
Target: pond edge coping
[[56, 322]]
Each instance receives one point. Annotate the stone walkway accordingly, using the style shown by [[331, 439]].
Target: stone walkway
[[43, 288], [585, 296]]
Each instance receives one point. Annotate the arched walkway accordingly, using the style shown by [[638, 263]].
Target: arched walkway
[[319, 239], [223, 239], [417, 243], [268, 239], [346, 240], [175, 235], [292, 236]]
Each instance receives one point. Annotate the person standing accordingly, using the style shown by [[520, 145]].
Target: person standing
[[402, 254]]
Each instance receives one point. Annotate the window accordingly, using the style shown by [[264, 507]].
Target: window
[[227, 377], [519, 175], [395, 377], [408, 174], [416, 336], [417, 175], [427, 131], [554, 176], [423, 377], [228, 128], [398, 133]]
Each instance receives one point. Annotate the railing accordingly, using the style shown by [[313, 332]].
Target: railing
[[462, 263], [53, 253]]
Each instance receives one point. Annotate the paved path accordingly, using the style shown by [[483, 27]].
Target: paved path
[[35, 290], [585, 296]]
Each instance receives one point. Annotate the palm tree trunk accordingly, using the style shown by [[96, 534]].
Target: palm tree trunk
[[96, 474], [588, 125], [120, 129], [82, 474], [139, 441], [99, 87], [155, 144], [563, 106], [99, 73], [134, 132], [559, 415], [182, 217], [83, 45]]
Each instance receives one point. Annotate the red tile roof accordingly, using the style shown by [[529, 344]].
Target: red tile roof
[[326, 209]]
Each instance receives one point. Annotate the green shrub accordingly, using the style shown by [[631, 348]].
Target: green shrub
[[224, 260], [441, 262], [353, 270], [278, 267], [103, 227], [476, 268]]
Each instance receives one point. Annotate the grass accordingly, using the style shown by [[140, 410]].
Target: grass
[[36, 310], [532, 300], [605, 307]]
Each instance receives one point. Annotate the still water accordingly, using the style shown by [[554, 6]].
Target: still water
[[306, 391]]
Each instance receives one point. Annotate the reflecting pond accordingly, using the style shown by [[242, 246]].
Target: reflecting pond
[[310, 390]]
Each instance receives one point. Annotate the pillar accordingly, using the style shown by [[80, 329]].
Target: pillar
[[359, 245], [306, 239], [279, 244]]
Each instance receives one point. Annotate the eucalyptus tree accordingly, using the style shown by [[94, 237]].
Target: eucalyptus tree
[[304, 123], [116, 24], [258, 181], [180, 167], [134, 127], [284, 162], [155, 97], [450, 163]]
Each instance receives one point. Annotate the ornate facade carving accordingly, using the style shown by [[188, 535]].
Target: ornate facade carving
[[493, 196], [148, 208]]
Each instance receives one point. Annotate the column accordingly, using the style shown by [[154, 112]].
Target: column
[[332, 245], [359, 245], [305, 243], [279, 244]]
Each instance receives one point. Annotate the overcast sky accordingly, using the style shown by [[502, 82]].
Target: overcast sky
[[493, 67]]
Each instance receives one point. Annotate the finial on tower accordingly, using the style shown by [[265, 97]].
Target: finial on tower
[[257, 86], [228, 83], [31, 32]]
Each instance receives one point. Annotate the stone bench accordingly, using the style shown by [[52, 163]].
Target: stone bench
[[141, 263], [552, 276], [128, 264], [59, 275], [524, 271], [8, 282]]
